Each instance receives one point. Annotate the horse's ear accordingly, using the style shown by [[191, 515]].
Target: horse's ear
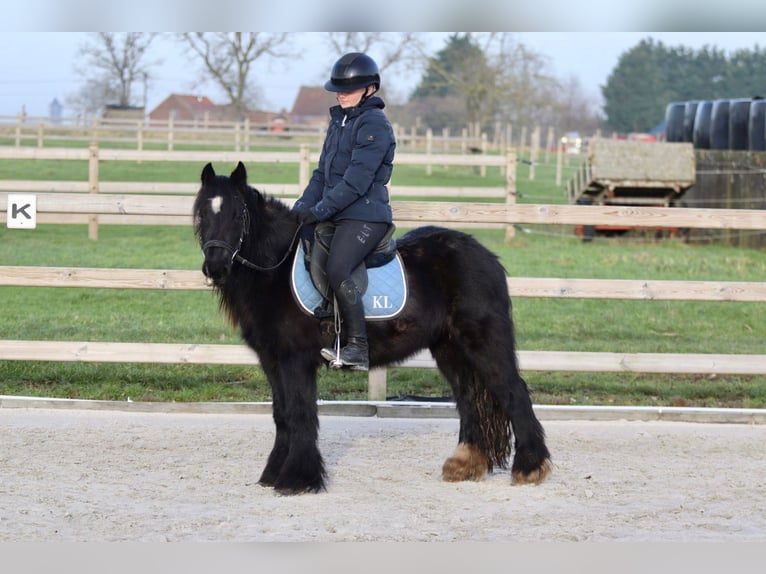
[[208, 173], [239, 176]]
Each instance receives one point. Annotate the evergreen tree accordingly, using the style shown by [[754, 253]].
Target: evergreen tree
[[635, 94], [459, 72], [651, 75]]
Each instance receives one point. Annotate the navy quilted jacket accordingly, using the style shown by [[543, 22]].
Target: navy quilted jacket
[[354, 167]]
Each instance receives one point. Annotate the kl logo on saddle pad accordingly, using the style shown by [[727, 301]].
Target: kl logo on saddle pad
[[384, 298]]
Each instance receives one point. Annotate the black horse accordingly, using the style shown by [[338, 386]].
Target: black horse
[[457, 307]]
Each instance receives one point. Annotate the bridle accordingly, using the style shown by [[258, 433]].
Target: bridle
[[235, 255]]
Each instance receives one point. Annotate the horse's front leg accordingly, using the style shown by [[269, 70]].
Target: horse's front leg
[[303, 468], [282, 439]]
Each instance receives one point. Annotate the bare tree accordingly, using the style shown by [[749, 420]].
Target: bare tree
[[111, 64], [522, 90], [497, 78], [228, 58], [576, 110]]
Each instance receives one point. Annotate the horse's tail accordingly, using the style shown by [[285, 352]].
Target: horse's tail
[[495, 427]]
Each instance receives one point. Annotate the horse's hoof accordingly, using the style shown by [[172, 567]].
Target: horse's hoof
[[296, 490], [468, 463], [536, 476]]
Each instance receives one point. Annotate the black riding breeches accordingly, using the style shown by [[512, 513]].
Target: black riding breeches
[[352, 242]]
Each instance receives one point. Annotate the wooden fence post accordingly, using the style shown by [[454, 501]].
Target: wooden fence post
[[93, 188], [549, 144], [534, 152], [510, 189], [40, 132], [559, 161], [140, 136], [170, 132], [429, 150], [18, 129], [304, 167], [376, 384]]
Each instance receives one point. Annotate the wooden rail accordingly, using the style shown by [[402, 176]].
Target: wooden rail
[[69, 204], [517, 287], [175, 212], [182, 353], [229, 134], [543, 287], [176, 209]]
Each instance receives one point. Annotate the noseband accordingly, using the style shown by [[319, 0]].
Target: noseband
[[235, 255]]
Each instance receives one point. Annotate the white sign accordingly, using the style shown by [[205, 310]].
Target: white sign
[[22, 211]]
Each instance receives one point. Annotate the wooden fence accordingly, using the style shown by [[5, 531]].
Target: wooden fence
[[238, 136], [161, 208]]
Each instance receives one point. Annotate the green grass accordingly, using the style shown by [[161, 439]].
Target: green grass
[[542, 324]]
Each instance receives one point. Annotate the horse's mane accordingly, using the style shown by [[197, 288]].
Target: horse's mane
[[271, 228], [272, 224]]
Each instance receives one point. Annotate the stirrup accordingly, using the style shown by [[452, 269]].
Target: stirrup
[[355, 355], [336, 362]]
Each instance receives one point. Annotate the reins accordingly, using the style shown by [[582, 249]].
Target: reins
[[235, 255]]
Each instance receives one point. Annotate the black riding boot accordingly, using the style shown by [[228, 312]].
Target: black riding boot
[[355, 354]]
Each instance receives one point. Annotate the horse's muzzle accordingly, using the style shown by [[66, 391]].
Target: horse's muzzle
[[216, 269]]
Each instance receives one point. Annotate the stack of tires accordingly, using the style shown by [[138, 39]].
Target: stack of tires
[[732, 124]]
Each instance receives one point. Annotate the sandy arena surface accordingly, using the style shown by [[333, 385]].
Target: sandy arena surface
[[77, 475]]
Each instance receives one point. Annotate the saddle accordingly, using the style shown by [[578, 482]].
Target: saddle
[[316, 260], [380, 278]]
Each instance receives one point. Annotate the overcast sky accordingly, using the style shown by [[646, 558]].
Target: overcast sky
[[43, 66], [39, 45]]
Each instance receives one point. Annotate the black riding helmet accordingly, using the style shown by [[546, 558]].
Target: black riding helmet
[[353, 71]]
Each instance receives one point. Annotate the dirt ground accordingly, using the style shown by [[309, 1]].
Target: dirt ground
[[78, 475]]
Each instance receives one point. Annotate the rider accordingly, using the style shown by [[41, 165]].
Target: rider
[[348, 188]]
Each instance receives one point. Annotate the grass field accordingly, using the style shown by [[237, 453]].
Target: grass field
[[542, 324]]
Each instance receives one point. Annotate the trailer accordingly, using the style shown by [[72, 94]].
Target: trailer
[[627, 172]]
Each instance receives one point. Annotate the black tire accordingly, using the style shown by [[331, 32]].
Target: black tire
[[719, 125], [701, 131], [739, 112], [690, 111], [674, 122], [756, 126]]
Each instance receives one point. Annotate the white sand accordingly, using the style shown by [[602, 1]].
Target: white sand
[[77, 475]]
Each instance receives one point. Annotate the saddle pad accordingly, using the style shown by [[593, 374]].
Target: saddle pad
[[386, 292]]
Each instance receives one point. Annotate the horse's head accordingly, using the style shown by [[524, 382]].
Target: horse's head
[[221, 220]]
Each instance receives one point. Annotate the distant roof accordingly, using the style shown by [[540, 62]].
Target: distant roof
[[313, 101], [197, 105]]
